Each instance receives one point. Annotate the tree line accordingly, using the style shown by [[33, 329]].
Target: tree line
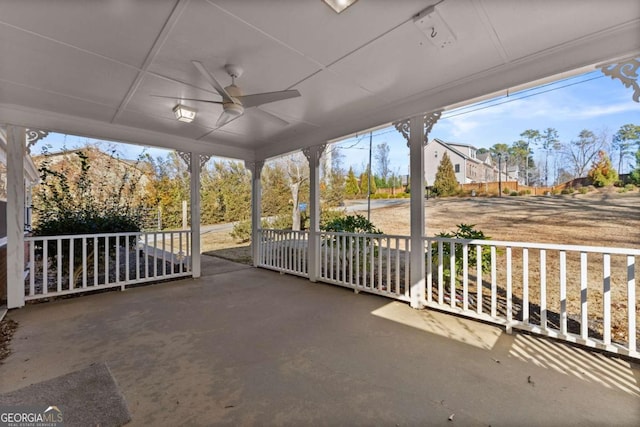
[[543, 158]]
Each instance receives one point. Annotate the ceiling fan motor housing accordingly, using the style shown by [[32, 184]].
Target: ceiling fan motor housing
[[232, 108]]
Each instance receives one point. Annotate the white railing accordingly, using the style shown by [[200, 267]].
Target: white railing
[[285, 251], [371, 263], [581, 294], [62, 265]]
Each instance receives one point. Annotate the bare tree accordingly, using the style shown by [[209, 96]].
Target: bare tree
[[382, 160], [297, 169], [581, 152]]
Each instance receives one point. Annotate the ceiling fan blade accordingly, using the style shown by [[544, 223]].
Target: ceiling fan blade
[[188, 99], [213, 82], [264, 98], [226, 118], [273, 117]]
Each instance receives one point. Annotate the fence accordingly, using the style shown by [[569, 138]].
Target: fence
[[580, 294], [63, 265]]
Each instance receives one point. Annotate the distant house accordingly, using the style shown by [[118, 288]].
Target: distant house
[[468, 166]]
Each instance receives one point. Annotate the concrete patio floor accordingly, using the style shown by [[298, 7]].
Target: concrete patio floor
[[244, 346]]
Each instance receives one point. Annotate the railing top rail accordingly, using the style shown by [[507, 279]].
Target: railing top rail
[[368, 235], [278, 230], [547, 246], [123, 234]]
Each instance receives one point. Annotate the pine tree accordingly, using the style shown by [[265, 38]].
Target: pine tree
[[635, 174], [351, 187], [363, 184], [446, 183], [602, 172]]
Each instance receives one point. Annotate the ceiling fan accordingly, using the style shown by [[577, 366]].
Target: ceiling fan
[[233, 101]]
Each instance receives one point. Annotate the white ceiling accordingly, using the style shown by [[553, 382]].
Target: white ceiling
[[89, 68]]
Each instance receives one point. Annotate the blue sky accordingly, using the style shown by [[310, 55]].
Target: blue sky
[[590, 101]]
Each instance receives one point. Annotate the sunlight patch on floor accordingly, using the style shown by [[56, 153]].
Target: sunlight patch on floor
[[610, 372], [448, 326]]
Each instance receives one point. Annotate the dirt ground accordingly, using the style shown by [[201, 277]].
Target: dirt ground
[[598, 218]]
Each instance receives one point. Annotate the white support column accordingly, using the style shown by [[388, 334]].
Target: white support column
[[16, 141], [416, 130], [256, 208], [194, 169], [313, 155], [416, 169]]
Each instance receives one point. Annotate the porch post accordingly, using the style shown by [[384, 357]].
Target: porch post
[[313, 155], [416, 130], [416, 169], [194, 169], [256, 209], [16, 141]]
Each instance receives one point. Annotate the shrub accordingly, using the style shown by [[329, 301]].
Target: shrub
[[241, 231], [601, 172], [513, 193], [506, 191], [583, 190], [463, 232]]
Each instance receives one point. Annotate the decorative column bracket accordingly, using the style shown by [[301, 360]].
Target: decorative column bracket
[[33, 136], [308, 154], [627, 72], [429, 120], [186, 157], [255, 167]]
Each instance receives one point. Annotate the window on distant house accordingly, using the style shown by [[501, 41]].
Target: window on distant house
[[457, 167]]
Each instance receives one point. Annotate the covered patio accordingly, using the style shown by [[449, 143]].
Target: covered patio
[[249, 346], [246, 346]]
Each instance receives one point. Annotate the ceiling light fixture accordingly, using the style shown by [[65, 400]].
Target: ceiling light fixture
[[184, 114], [434, 28], [339, 5]]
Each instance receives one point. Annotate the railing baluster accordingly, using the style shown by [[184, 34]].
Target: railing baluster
[[525, 286], [146, 255], [584, 312], [32, 267], [106, 260], [95, 260], [407, 266], [440, 273], [372, 262], [117, 249], [631, 302], [563, 293], [494, 284], [59, 264], [465, 276], [155, 254], [479, 250], [85, 266], [606, 298], [172, 267], [45, 265], [509, 287], [429, 271], [452, 274], [380, 261], [397, 270], [357, 257], [71, 263], [543, 289]]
